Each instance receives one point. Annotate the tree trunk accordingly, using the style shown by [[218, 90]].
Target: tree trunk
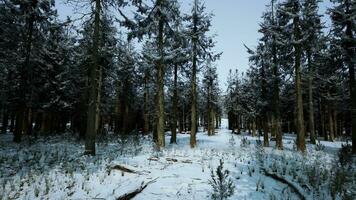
[[335, 123], [5, 120], [350, 49], [331, 124], [12, 123], [175, 106], [193, 128], [298, 88], [253, 127], [310, 100], [160, 86], [146, 116], [21, 114], [94, 87], [126, 110], [276, 119], [118, 116], [264, 118]]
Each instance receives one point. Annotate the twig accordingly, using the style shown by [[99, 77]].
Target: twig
[[132, 194], [283, 180]]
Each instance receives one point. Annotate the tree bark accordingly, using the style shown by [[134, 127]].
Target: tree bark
[[5, 120], [118, 116], [331, 124], [310, 99], [193, 129], [276, 119], [264, 118], [298, 88], [21, 114], [94, 87], [175, 106], [350, 49], [160, 86], [146, 126]]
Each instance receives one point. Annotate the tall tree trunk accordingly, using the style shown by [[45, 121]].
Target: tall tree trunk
[[118, 115], [5, 120], [254, 127], [175, 105], [193, 124], [276, 119], [335, 123], [331, 123], [310, 99], [21, 114], [193, 129], [160, 86], [298, 87], [209, 112], [12, 122], [264, 117], [94, 87], [217, 117], [146, 126], [126, 114], [350, 49]]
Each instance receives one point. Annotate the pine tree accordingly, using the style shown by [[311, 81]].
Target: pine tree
[[199, 25], [343, 17], [291, 9], [312, 27], [211, 95], [155, 21]]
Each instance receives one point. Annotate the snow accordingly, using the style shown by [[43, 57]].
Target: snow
[[54, 167]]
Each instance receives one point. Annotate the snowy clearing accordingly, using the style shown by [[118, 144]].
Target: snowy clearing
[[58, 170]]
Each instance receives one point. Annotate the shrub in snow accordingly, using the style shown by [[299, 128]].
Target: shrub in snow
[[260, 186], [232, 141], [343, 176], [319, 147], [221, 183], [244, 142], [345, 154], [260, 153]]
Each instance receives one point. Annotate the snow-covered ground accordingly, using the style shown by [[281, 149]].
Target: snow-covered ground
[[54, 168]]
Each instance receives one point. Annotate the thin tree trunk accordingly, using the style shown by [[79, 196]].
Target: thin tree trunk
[[146, 116], [253, 127], [12, 123], [5, 120], [175, 105], [298, 88], [193, 128], [21, 114], [160, 86], [331, 123], [264, 118], [350, 49], [118, 117], [335, 123], [310, 99], [94, 87]]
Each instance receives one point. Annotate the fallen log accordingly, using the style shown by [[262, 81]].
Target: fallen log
[[153, 159], [187, 161], [125, 169], [172, 159], [283, 180], [130, 195]]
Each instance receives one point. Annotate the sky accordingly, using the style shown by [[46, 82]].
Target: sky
[[235, 22]]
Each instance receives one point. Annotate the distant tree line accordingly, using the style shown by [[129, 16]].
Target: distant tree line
[[90, 75], [301, 78]]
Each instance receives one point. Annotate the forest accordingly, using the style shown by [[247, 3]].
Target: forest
[[124, 100]]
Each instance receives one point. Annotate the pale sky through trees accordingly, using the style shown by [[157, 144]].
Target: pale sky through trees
[[235, 22]]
